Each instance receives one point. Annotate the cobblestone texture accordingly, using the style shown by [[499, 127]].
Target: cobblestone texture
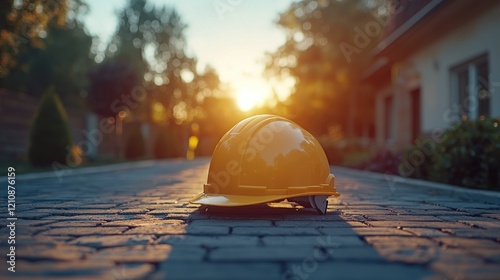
[[136, 223]]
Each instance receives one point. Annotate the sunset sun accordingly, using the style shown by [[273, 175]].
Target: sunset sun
[[247, 100]]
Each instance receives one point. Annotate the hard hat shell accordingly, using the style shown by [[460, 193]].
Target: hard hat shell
[[266, 158]]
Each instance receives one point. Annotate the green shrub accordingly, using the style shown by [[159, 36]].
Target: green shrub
[[333, 153], [50, 139], [167, 144], [469, 155], [417, 160], [136, 146]]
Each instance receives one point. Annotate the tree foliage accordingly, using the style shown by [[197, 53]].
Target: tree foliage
[[23, 25], [58, 57], [111, 87], [149, 43], [315, 56]]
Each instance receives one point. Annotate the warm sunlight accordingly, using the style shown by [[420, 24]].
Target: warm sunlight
[[247, 99]]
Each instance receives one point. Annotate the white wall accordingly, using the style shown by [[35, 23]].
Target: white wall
[[434, 61]]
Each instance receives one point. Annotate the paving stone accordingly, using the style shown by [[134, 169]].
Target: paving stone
[[412, 218], [455, 256], [134, 211], [353, 271], [70, 212], [89, 206], [253, 254], [81, 231], [475, 233], [32, 223], [354, 254], [488, 254], [321, 241], [57, 252], [207, 230], [313, 216], [470, 205], [438, 213], [130, 271], [32, 215], [492, 215], [149, 254], [143, 222], [421, 224], [231, 223], [399, 241], [220, 271], [411, 253], [363, 231], [260, 231], [209, 241], [158, 229], [79, 223], [482, 224], [453, 241], [319, 224], [426, 232], [79, 270], [468, 271], [171, 210], [86, 218], [41, 240], [101, 241]]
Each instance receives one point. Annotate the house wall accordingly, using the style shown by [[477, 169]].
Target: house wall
[[429, 70], [434, 62]]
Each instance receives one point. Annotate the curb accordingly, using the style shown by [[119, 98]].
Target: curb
[[97, 169], [444, 189]]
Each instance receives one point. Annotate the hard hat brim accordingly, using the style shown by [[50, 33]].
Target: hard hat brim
[[245, 200]]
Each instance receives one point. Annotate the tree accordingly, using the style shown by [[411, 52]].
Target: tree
[[61, 60], [322, 56], [50, 139], [23, 24], [150, 43], [110, 88]]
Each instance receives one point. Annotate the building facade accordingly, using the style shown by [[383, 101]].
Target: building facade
[[439, 63]]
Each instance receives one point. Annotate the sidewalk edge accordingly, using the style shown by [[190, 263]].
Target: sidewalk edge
[[445, 189]]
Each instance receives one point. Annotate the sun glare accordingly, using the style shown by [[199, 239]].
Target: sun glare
[[247, 99]]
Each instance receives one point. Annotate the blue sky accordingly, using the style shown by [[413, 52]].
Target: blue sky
[[232, 39]]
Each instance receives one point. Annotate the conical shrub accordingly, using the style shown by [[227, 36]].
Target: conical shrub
[[50, 139]]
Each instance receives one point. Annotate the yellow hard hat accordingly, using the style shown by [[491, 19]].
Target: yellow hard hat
[[268, 158]]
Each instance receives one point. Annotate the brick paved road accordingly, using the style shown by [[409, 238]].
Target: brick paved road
[[135, 222]]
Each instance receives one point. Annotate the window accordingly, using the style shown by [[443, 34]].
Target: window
[[470, 88]]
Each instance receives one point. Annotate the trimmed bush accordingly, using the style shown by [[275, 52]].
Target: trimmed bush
[[167, 144], [417, 160], [469, 155], [136, 146], [384, 161], [50, 139], [333, 153]]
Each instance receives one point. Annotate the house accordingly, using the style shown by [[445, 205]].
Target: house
[[439, 62]]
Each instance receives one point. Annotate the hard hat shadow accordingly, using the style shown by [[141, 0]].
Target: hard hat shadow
[[259, 210]]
